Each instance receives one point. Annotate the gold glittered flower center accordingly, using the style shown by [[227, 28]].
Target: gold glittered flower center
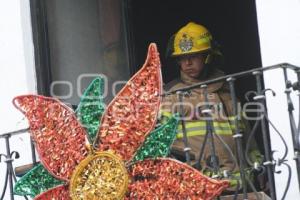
[[99, 176]]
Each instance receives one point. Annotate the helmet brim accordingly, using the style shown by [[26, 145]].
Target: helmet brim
[[191, 52]]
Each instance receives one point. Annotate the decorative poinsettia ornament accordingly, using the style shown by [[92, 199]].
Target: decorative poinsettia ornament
[[125, 161], [88, 112]]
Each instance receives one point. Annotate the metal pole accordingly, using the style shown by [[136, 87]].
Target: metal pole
[[209, 130], [297, 138], [238, 137], [33, 155], [201, 154], [235, 75], [185, 138], [9, 167], [10, 175], [294, 129], [267, 147]]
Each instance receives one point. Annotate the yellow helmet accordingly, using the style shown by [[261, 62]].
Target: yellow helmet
[[192, 38]]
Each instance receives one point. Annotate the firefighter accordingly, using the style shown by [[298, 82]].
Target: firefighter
[[194, 50]]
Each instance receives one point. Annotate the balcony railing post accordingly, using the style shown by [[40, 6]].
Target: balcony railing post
[[297, 138], [267, 147], [185, 138], [33, 155], [294, 129], [209, 131], [9, 167], [238, 136], [9, 158]]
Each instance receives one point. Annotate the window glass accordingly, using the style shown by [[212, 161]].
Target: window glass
[[86, 38]]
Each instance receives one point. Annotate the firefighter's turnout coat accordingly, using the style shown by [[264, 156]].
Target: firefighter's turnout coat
[[222, 119]]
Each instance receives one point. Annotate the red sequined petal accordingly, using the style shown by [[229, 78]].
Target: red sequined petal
[[59, 138], [165, 178], [132, 113], [57, 193]]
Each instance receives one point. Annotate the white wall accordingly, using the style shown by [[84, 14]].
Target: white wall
[[17, 76], [279, 31]]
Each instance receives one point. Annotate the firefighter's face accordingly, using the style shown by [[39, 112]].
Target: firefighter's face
[[192, 65]]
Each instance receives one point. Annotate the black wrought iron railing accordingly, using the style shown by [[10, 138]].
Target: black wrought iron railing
[[269, 164], [8, 158], [242, 159]]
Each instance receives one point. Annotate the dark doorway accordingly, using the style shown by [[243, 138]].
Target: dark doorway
[[233, 25]]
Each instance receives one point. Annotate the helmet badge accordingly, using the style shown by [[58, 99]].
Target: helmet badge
[[185, 43]]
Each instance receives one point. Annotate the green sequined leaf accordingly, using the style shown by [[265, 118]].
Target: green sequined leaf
[[159, 141], [91, 108], [36, 181]]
